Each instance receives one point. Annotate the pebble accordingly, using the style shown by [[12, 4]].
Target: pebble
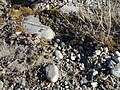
[[97, 52], [116, 58], [117, 53], [58, 54], [52, 72], [108, 58], [94, 84], [73, 57], [58, 40], [106, 50], [95, 73], [18, 33], [1, 85], [116, 71], [79, 56]]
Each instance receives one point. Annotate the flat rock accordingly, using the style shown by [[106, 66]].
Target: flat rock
[[68, 9], [52, 72], [33, 26]]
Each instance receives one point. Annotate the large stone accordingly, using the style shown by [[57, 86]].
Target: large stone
[[33, 26], [52, 72], [68, 9]]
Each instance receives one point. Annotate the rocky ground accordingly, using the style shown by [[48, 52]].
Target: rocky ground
[[57, 45]]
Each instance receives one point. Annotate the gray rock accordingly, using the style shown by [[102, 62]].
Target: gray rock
[[108, 58], [33, 26], [116, 58], [68, 9], [58, 54], [116, 71], [1, 85], [117, 53], [52, 72]]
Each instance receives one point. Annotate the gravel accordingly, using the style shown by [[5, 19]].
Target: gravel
[[27, 58]]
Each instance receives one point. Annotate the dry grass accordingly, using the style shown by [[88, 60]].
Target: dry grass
[[100, 20]]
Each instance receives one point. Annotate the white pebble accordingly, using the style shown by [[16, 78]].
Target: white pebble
[[95, 73], [97, 52], [117, 53], [52, 73], [79, 56], [1, 85], [18, 33], [94, 84], [58, 54], [106, 50], [72, 56]]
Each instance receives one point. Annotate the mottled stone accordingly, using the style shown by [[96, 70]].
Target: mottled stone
[[52, 72]]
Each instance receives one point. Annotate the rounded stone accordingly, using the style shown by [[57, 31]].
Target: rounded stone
[[52, 72], [97, 52], [117, 53], [58, 54], [1, 85], [94, 84]]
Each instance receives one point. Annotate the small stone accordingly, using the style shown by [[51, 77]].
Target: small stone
[[94, 84], [97, 52], [58, 54], [73, 57], [116, 59], [117, 53], [108, 58], [95, 73], [57, 40], [106, 50], [1, 85], [55, 45], [18, 33], [62, 44], [116, 71], [52, 72], [79, 56]]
